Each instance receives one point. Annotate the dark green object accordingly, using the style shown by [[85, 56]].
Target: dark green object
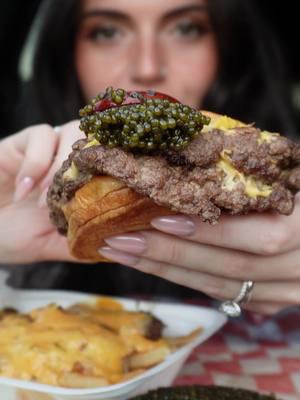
[[149, 126], [202, 393]]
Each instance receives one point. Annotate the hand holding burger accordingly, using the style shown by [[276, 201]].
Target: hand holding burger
[[219, 170], [212, 258]]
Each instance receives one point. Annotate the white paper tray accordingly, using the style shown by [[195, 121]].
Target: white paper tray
[[179, 319]]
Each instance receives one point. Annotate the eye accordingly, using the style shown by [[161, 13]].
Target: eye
[[104, 33], [190, 29]]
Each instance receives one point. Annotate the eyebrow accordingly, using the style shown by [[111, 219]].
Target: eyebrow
[[120, 16], [185, 9], [105, 13]]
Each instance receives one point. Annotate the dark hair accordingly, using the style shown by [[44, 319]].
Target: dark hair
[[251, 85], [53, 94]]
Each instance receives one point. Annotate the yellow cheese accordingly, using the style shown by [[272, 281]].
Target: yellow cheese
[[93, 142], [253, 187], [226, 124], [267, 137], [53, 342], [71, 173], [50, 341], [233, 177]]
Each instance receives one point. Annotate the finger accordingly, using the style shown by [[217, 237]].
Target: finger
[[11, 158], [38, 150], [265, 234], [214, 286], [69, 134], [218, 261], [13, 149], [55, 247], [38, 147]]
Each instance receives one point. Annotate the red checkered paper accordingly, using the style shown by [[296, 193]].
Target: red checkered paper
[[251, 352]]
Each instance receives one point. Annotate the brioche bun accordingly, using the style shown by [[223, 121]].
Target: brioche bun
[[105, 207]]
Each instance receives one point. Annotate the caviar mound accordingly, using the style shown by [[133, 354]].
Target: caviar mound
[[144, 122]]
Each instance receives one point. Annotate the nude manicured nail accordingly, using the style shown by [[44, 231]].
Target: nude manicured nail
[[23, 188], [131, 243], [177, 225], [118, 256]]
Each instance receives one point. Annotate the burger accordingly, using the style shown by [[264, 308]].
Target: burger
[[147, 155]]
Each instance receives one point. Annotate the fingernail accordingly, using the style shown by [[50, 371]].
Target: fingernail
[[42, 202], [23, 187], [131, 243], [118, 256], [177, 225]]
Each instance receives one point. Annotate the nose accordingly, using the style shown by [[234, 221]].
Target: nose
[[148, 67]]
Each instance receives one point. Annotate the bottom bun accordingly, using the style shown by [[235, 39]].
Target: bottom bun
[[105, 207]]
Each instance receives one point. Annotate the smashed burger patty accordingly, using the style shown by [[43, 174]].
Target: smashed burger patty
[[230, 167]]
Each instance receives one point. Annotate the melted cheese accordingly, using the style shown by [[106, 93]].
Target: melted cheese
[[267, 137], [49, 342], [106, 303], [93, 142], [71, 173], [226, 124], [233, 177]]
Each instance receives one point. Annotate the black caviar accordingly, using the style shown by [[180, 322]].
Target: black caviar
[[141, 121]]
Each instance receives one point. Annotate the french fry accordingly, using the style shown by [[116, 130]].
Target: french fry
[[147, 359], [117, 319], [75, 380], [118, 344], [29, 395], [178, 341], [132, 374]]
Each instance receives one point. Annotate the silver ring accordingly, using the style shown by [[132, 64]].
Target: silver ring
[[57, 129], [232, 308]]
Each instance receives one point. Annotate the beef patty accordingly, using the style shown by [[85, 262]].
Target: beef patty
[[234, 171]]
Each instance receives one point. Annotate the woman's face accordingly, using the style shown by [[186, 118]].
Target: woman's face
[[166, 45]]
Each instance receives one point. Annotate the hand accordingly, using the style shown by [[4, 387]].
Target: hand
[[264, 248], [28, 162]]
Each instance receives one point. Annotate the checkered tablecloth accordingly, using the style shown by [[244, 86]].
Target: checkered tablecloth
[[252, 352]]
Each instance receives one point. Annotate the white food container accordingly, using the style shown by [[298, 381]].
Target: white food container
[[179, 320]]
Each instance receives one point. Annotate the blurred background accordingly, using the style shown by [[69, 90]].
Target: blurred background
[[16, 17]]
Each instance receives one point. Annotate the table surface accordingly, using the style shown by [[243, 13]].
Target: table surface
[[251, 352]]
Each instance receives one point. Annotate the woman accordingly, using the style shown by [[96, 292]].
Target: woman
[[210, 54], [249, 84]]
